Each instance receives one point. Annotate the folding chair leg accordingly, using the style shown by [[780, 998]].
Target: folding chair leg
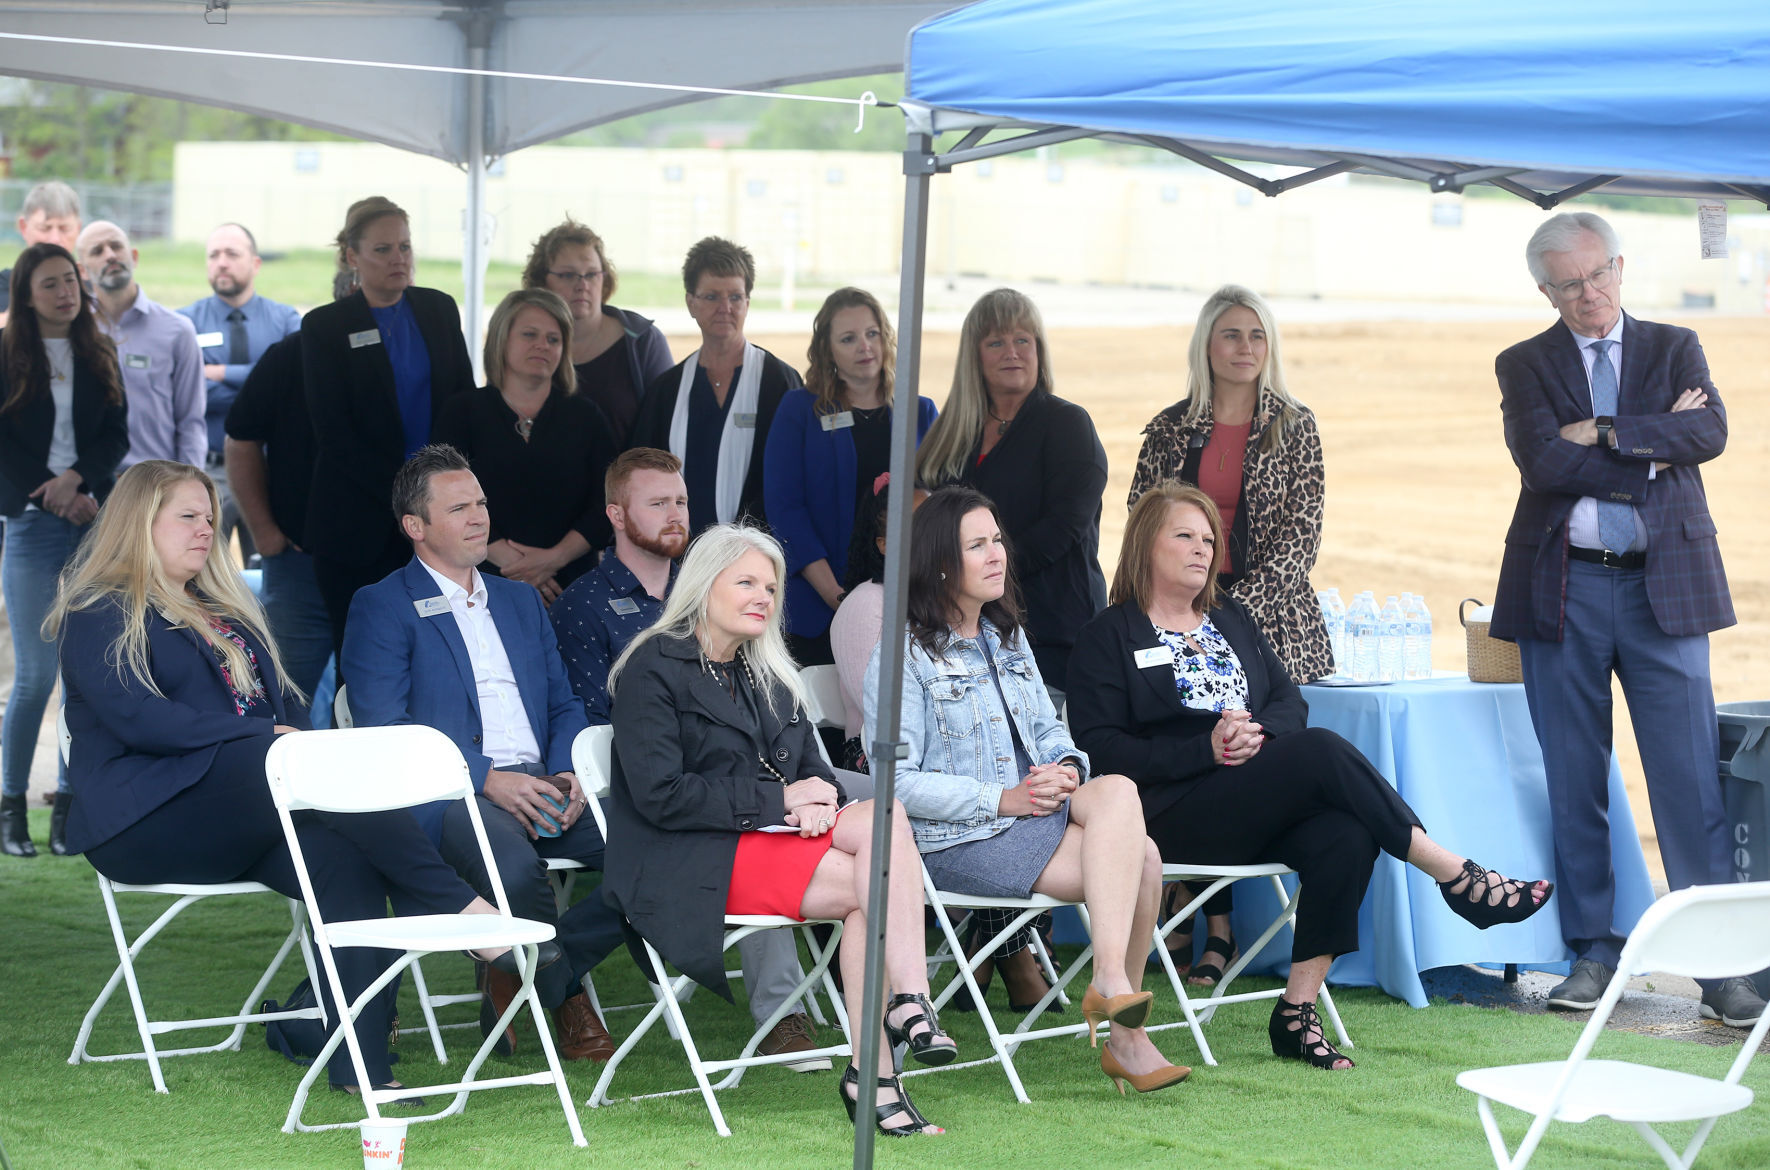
[[430, 1024], [126, 961]]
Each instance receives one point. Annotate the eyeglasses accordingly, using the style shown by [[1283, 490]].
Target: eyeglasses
[[576, 278], [710, 299], [1600, 280]]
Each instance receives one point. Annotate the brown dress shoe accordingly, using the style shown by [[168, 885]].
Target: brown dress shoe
[[794, 1034], [499, 987], [581, 1035]]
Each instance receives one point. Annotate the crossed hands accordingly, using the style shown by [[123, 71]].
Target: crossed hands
[[1041, 793], [1585, 431], [533, 566], [811, 805], [522, 796], [62, 497], [1236, 739]]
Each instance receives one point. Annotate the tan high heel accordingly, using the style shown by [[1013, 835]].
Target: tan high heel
[[1130, 1010], [1148, 1082]]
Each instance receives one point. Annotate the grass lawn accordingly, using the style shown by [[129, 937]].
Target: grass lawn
[[1399, 1109], [174, 274]]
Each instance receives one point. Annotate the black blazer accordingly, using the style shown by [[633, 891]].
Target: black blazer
[[134, 750], [651, 427], [101, 439], [1045, 478], [686, 781], [358, 440], [1131, 721]]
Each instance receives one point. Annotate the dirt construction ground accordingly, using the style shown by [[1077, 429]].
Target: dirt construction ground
[[1419, 485]]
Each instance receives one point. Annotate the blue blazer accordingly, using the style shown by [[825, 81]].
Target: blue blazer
[[808, 493], [134, 750], [403, 668]]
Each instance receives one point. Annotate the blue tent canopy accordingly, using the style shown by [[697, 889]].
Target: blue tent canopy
[[1636, 96]]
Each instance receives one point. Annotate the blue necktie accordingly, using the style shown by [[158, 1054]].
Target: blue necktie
[[1616, 522]]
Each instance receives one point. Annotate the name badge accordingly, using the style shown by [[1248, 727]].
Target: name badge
[[837, 421], [1154, 656], [136, 361], [205, 340], [431, 606], [366, 337], [625, 606], [748, 421]]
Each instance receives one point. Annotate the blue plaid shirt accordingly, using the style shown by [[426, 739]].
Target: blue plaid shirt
[[594, 619]]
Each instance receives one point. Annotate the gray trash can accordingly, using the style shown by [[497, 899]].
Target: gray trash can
[[1745, 784]]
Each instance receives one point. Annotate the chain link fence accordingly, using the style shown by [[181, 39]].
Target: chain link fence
[[144, 210]]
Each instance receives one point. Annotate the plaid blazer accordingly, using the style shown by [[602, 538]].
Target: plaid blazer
[[1543, 386]]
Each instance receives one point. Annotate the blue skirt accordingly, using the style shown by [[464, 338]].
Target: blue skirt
[[1003, 866]]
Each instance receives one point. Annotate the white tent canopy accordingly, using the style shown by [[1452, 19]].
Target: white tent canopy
[[467, 120]]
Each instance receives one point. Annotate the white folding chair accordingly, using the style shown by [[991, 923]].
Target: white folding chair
[[1002, 1045], [590, 760], [1704, 932], [1216, 877], [341, 710], [330, 771], [187, 894]]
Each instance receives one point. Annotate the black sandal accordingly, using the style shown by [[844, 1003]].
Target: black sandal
[[1297, 1034], [930, 1045], [917, 1125], [1208, 971], [1490, 899]]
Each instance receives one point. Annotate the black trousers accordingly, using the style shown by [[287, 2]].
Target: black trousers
[[224, 828], [1309, 800], [588, 932], [339, 580]]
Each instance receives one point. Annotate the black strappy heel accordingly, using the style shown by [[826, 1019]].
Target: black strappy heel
[[1307, 1041], [916, 1126], [929, 1046], [1476, 903]]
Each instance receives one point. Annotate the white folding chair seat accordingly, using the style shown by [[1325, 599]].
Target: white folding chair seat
[[1703, 932], [187, 894], [1002, 1045], [1215, 877], [410, 765], [590, 759]]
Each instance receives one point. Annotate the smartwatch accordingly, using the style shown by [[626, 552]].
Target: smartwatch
[[1605, 424]]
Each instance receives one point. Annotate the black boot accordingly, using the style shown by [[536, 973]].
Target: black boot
[[15, 833], [58, 824]]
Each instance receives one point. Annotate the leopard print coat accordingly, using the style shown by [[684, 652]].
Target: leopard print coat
[[1282, 494]]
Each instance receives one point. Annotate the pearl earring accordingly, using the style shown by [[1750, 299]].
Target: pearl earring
[[943, 576]]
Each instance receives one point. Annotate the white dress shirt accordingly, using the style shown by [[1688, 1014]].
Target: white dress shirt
[[506, 736], [1582, 522]]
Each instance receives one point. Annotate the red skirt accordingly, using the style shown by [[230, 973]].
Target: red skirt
[[771, 872]]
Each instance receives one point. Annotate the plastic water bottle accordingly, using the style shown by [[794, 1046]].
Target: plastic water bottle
[[1333, 613], [1390, 634], [1418, 653], [1361, 638]]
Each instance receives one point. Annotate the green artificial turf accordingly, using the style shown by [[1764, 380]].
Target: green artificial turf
[[1400, 1108]]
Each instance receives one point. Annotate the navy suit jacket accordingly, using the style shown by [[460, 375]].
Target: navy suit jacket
[[1543, 386], [134, 750], [409, 669]]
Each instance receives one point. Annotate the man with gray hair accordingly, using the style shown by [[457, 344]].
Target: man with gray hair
[[50, 215], [1612, 568], [156, 348]]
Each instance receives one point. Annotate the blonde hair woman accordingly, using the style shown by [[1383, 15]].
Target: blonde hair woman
[[1239, 435], [175, 692], [539, 448], [711, 746], [1004, 431], [829, 443]]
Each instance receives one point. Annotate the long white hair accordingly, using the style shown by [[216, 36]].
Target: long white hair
[[685, 611]]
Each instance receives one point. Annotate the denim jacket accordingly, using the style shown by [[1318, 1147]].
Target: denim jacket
[[961, 753]]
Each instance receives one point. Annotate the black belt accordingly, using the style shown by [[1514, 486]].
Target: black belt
[[1610, 560]]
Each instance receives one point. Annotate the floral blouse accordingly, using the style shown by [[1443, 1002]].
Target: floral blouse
[[1208, 681], [249, 696]]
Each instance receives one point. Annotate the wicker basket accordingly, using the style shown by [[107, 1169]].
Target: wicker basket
[[1490, 659]]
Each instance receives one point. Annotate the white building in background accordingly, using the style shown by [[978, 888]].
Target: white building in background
[[828, 218]]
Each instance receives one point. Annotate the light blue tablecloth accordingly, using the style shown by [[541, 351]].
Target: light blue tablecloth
[[1465, 757]]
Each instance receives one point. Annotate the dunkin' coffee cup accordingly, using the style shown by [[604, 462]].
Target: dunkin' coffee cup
[[384, 1144]]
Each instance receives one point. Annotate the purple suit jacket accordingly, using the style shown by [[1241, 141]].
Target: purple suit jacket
[[1543, 386]]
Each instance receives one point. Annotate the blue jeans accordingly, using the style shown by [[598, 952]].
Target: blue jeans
[[37, 545], [297, 616]]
